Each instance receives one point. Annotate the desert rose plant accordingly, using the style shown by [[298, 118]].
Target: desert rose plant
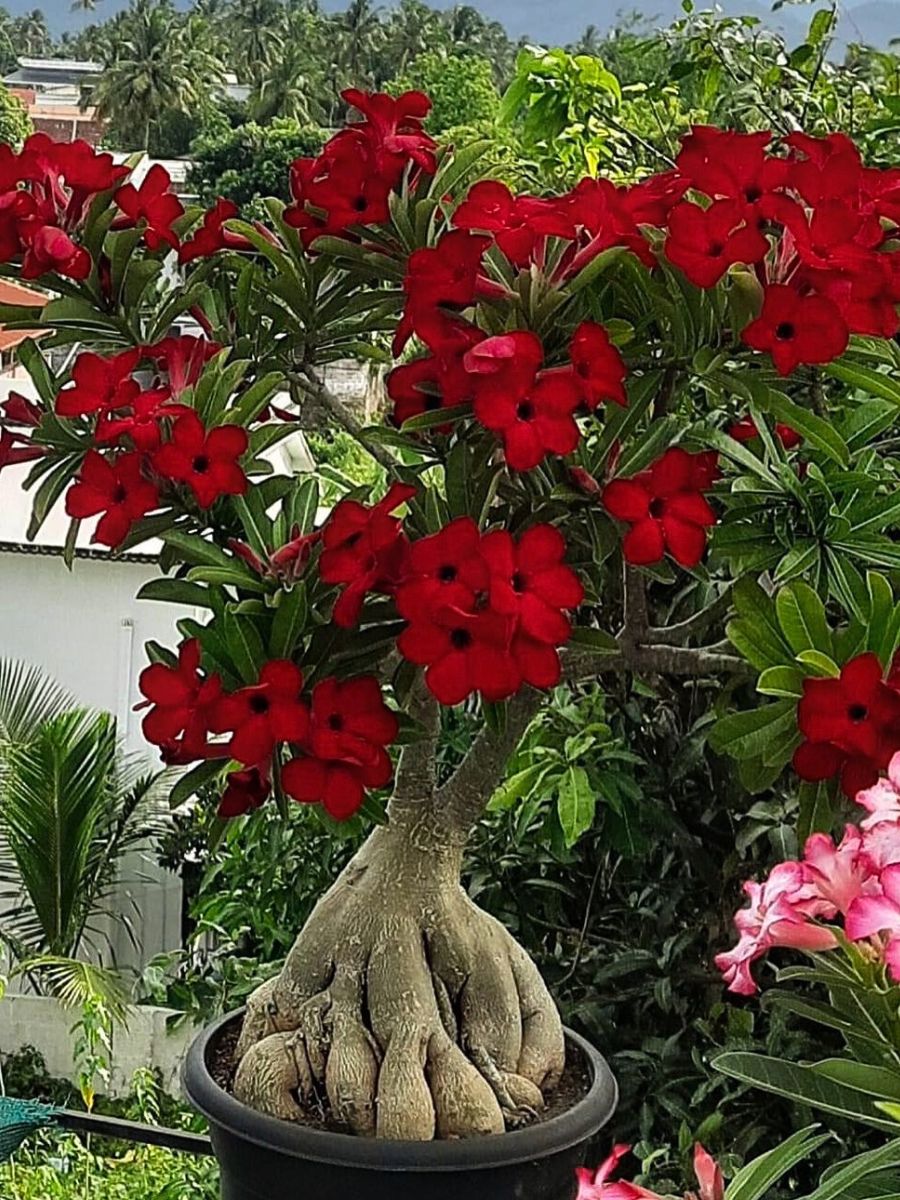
[[615, 416]]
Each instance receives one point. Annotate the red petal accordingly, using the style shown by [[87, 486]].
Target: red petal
[[626, 500], [644, 543]]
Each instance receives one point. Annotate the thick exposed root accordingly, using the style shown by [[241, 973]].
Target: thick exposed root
[[407, 1009]]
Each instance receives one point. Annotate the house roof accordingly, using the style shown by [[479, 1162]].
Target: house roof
[[16, 293]]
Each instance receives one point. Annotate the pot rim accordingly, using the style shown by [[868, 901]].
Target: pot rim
[[553, 1136]]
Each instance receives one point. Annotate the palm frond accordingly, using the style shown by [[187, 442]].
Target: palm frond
[[28, 698], [75, 983]]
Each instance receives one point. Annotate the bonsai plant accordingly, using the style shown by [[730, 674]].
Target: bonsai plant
[[615, 415]]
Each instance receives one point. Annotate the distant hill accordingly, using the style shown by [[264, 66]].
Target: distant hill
[[559, 21]]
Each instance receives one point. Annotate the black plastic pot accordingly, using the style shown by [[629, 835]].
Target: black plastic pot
[[262, 1158]]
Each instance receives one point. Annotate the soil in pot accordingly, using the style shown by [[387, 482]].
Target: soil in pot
[[222, 1061]]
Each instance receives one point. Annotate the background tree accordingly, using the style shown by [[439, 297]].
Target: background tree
[[461, 88], [15, 123]]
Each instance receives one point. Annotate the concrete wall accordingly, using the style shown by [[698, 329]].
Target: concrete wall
[[86, 629], [42, 1023]]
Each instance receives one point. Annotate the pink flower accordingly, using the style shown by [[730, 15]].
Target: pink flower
[[780, 913], [881, 844], [709, 1175], [870, 916], [882, 800], [838, 873], [596, 1186]]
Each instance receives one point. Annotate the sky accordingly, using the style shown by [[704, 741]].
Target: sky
[[563, 21]]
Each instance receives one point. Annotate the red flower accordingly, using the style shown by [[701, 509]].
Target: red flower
[[532, 413], [344, 183], [212, 235], [520, 225], [245, 791], [289, 561], [447, 275], [445, 568], [16, 448], [831, 167], [19, 410], [363, 547], [117, 489], [261, 716], [153, 205], [348, 184], [705, 242], [99, 384], [463, 652], [737, 166], [851, 725], [745, 431], [598, 365], [530, 581], [141, 425], [437, 381], [182, 358], [665, 508], [393, 126], [183, 701], [49, 248], [205, 460], [350, 726], [797, 329]]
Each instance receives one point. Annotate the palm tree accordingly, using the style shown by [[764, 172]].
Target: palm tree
[[360, 36], [71, 805], [257, 40], [84, 5], [411, 29], [31, 33], [294, 84], [590, 42], [158, 66]]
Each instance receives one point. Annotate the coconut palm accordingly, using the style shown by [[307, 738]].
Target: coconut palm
[[257, 28], [31, 33], [360, 34], [159, 66]]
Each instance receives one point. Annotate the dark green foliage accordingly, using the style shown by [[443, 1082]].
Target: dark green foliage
[[251, 161]]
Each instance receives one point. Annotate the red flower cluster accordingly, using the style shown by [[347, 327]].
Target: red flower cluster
[[532, 409], [349, 183], [593, 217], [665, 508], [45, 191], [349, 728], [485, 612], [151, 207], [816, 225], [851, 725], [154, 439], [341, 736], [364, 548]]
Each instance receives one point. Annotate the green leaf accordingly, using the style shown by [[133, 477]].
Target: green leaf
[[244, 645], [818, 809], [816, 430], [440, 416], [517, 786], [599, 265], [801, 615], [176, 591], [866, 379], [302, 505], [756, 633], [753, 1181], [594, 639], [290, 619], [780, 681], [576, 803], [822, 664], [802, 1085], [193, 780], [748, 734], [838, 1182]]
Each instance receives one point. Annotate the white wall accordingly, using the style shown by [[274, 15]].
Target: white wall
[[86, 629], [145, 1042]]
